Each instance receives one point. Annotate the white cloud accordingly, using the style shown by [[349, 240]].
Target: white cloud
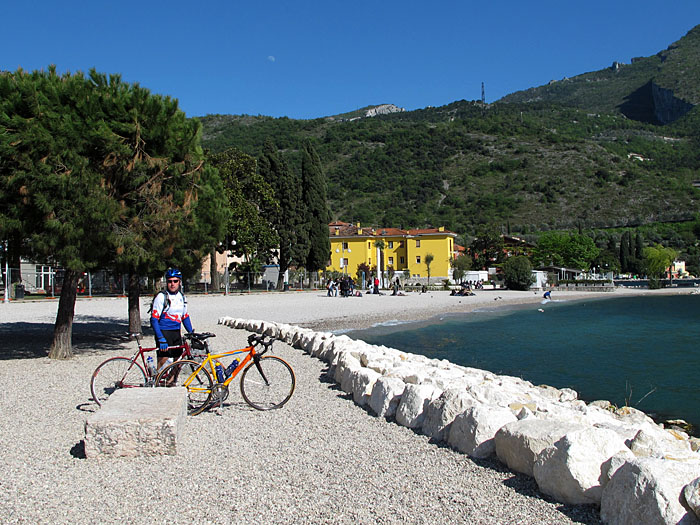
[[271, 58]]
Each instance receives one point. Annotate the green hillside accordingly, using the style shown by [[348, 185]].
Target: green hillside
[[557, 156]]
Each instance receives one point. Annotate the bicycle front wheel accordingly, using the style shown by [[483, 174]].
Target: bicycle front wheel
[[113, 374], [268, 384], [196, 380]]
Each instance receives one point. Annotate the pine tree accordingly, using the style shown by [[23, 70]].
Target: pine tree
[[109, 176], [316, 204]]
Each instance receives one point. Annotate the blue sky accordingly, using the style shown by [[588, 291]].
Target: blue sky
[[308, 59]]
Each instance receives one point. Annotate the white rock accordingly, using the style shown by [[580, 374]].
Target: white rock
[[386, 394], [442, 411], [362, 382], [612, 465], [691, 493], [570, 470], [519, 443], [648, 491], [415, 399], [660, 443], [138, 422], [473, 431], [346, 365]]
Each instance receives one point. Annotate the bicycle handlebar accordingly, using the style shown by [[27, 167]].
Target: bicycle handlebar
[[200, 336], [254, 340]]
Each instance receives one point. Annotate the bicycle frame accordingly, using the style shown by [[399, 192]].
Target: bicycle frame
[[141, 351], [211, 360]]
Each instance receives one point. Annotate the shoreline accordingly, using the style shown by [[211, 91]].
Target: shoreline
[[494, 298]]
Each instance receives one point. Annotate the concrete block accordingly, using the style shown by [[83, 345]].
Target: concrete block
[[137, 422]]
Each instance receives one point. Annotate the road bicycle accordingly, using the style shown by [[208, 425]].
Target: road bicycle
[[133, 372], [267, 381]]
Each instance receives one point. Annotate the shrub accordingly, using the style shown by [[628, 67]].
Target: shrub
[[517, 273]]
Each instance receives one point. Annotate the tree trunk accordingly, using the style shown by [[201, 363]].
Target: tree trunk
[[214, 272], [134, 294], [61, 347], [280, 277]]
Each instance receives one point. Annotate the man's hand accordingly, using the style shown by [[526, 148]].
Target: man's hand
[[162, 344]]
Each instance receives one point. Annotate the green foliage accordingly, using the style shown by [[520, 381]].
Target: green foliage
[[289, 218], [517, 273], [315, 200], [429, 258], [460, 266], [537, 166], [486, 248], [570, 250], [250, 199], [107, 174], [657, 259]]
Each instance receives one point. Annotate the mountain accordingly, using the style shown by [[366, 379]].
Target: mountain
[[616, 147], [659, 89]]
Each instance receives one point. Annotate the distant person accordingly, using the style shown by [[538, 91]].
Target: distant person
[[376, 285], [547, 295]]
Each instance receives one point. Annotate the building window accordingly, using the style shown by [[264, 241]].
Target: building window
[[345, 246], [417, 243], [390, 243], [403, 260], [401, 244], [391, 261], [344, 263], [369, 245], [417, 259]]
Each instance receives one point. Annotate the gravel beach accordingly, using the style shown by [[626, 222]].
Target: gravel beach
[[320, 459]]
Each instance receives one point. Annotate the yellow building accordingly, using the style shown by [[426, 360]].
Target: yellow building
[[352, 245]]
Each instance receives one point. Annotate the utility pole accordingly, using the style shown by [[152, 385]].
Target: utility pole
[[483, 99]]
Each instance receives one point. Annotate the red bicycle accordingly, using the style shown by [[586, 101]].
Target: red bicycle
[[134, 372]]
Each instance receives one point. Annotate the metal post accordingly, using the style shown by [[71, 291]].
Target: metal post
[[53, 282], [7, 276], [226, 275], [89, 284]]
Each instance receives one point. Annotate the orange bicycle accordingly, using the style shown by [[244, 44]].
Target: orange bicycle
[[267, 381]]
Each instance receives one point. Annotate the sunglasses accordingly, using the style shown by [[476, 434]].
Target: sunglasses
[[173, 280]]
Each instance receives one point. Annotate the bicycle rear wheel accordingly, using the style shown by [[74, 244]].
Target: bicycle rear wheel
[[197, 382], [113, 374], [268, 384]]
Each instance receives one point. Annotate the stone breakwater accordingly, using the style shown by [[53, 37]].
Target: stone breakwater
[[635, 470]]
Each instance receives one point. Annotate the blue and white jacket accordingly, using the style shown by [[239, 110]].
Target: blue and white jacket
[[170, 316]]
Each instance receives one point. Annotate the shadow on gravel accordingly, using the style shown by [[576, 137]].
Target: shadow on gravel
[[26, 340], [78, 450]]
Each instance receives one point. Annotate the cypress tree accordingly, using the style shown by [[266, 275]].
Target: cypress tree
[[317, 215], [639, 247], [288, 218], [625, 252]]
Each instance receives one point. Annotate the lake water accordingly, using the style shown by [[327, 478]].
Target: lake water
[[640, 351]]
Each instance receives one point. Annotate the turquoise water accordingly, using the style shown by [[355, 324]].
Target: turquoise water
[[617, 349]]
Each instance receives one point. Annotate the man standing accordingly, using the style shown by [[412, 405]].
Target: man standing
[[169, 312]]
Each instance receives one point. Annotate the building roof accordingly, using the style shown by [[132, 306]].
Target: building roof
[[346, 229]]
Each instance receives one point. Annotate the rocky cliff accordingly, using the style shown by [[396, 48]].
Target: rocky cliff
[[383, 109]]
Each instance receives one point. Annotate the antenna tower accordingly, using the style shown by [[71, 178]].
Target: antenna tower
[[483, 95]]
